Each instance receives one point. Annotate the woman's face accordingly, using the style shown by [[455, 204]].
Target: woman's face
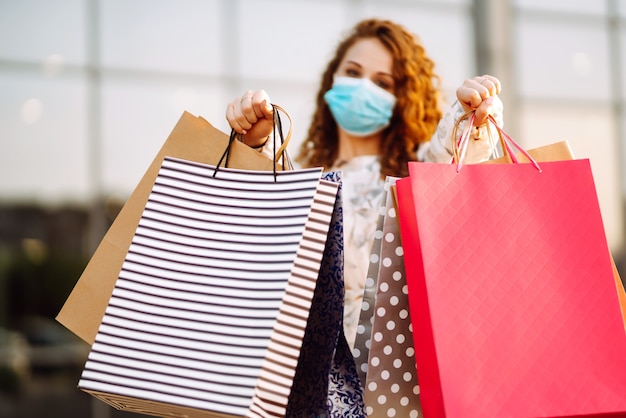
[[369, 58]]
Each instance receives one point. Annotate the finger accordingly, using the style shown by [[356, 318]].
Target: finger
[[256, 106], [483, 87], [246, 104], [232, 119], [492, 84], [247, 111], [489, 86], [262, 105], [267, 110], [243, 114], [475, 90], [483, 111], [469, 96]]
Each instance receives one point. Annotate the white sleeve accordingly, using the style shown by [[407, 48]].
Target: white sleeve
[[482, 146], [268, 148]]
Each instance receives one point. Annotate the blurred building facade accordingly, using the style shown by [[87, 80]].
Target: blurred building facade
[[90, 89]]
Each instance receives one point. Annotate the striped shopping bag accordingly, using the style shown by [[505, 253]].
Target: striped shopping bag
[[210, 307]]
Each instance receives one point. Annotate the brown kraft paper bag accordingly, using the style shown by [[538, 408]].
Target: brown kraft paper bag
[[193, 138]]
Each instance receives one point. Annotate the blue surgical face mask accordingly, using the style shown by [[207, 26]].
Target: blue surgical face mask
[[359, 106]]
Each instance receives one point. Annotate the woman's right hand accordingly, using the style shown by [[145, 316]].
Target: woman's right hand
[[252, 116]]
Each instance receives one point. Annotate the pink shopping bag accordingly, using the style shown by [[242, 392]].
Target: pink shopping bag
[[512, 291]]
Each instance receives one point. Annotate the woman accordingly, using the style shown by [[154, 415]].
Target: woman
[[377, 108]]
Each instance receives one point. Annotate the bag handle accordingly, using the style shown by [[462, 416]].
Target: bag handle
[[279, 153], [461, 144]]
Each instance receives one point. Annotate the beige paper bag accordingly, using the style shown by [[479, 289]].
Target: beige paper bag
[[193, 139]]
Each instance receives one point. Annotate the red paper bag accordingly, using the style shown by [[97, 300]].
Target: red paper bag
[[512, 292]]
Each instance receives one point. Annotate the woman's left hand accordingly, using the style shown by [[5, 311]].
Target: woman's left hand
[[477, 94]]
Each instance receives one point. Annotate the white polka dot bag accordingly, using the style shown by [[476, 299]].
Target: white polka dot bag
[[389, 376]]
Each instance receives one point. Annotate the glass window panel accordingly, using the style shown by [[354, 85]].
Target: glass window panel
[[161, 35], [36, 30], [138, 116], [621, 7], [306, 49], [43, 127], [446, 34], [621, 145], [620, 60], [558, 59], [420, 3], [569, 6], [283, 47]]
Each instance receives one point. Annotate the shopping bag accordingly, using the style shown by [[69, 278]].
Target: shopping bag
[[193, 139], [364, 329], [621, 292], [560, 151], [309, 392], [208, 313], [326, 369], [512, 291], [345, 395], [391, 384]]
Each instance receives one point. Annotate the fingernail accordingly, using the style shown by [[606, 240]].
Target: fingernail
[[489, 100]]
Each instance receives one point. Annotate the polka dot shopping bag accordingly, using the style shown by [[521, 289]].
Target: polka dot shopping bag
[[388, 369]]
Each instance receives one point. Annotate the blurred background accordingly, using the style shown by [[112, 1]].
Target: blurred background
[[90, 89]]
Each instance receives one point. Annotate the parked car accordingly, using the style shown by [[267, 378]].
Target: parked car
[[14, 361], [52, 347]]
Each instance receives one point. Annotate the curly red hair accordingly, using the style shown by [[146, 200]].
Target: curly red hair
[[416, 114]]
